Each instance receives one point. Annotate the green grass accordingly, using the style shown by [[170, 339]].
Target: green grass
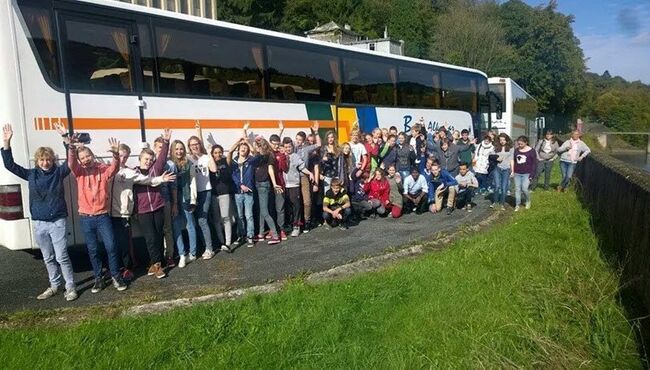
[[532, 292]]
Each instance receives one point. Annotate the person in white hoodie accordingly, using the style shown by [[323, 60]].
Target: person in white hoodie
[[481, 162], [122, 203], [571, 152]]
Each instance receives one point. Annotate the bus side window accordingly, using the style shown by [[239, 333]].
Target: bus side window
[[203, 64], [98, 57], [40, 29]]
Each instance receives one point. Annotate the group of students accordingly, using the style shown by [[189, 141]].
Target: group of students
[[292, 185]]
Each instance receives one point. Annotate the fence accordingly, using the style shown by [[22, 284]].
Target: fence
[[618, 196]]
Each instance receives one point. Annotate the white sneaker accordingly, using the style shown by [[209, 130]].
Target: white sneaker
[[295, 232], [191, 258], [517, 209], [226, 249], [503, 208], [208, 254], [182, 262], [528, 205], [49, 292], [70, 294]]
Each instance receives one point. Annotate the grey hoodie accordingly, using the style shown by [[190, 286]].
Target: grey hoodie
[[548, 155], [581, 151], [292, 176]]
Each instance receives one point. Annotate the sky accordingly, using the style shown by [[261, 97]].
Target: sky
[[614, 35]]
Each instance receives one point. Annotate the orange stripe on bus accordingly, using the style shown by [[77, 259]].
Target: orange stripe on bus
[[35, 123], [161, 123], [519, 125]]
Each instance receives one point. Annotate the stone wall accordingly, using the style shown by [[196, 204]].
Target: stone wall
[[618, 196]]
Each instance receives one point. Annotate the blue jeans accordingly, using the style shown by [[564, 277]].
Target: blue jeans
[[245, 203], [522, 185], [263, 189], [502, 184], [185, 219], [482, 179], [404, 175], [567, 172], [203, 200], [51, 239], [101, 224]]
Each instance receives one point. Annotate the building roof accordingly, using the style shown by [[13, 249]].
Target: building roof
[[374, 40], [329, 27]]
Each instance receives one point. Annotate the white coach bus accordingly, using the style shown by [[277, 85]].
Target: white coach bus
[[114, 69], [518, 109]]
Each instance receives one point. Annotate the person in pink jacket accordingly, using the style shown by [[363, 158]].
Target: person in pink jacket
[[93, 181]]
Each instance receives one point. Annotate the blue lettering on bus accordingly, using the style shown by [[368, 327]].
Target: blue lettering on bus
[[431, 127]]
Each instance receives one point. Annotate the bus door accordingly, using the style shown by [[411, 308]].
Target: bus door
[[102, 83]]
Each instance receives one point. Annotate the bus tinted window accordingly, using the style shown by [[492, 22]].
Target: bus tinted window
[[419, 87], [459, 91], [368, 82], [500, 91], [40, 28], [98, 57], [301, 75], [193, 63], [147, 60]]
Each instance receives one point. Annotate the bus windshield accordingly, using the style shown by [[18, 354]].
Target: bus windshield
[[500, 91]]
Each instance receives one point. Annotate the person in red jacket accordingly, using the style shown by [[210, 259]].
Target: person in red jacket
[[378, 190], [372, 147]]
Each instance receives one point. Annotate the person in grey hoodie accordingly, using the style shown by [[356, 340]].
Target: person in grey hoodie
[[297, 167], [447, 154], [546, 150], [571, 152]]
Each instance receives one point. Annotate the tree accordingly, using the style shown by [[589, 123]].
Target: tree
[[265, 14], [550, 62], [473, 36]]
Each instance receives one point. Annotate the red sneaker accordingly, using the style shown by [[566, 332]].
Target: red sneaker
[[170, 262], [274, 241], [258, 238], [268, 235], [283, 235], [127, 275]]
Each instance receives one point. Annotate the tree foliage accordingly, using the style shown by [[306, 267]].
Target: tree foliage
[[618, 104], [472, 35], [535, 46]]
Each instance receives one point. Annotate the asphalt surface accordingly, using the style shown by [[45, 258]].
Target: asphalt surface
[[23, 275]]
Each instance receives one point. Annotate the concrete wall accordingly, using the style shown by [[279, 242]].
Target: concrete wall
[[618, 196]]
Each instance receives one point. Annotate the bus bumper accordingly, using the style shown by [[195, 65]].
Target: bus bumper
[[16, 234]]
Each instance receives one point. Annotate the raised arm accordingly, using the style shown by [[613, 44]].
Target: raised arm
[[212, 165], [112, 169], [314, 130], [161, 159], [281, 128], [73, 163], [199, 131], [7, 156], [231, 152]]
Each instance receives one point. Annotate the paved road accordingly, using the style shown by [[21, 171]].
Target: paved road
[[23, 275]]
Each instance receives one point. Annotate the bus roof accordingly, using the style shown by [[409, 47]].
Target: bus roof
[[496, 80], [263, 32]]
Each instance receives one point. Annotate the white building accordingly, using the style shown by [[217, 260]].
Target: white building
[[199, 8], [332, 32]]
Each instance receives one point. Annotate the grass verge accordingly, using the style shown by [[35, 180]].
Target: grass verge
[[532, 292]]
